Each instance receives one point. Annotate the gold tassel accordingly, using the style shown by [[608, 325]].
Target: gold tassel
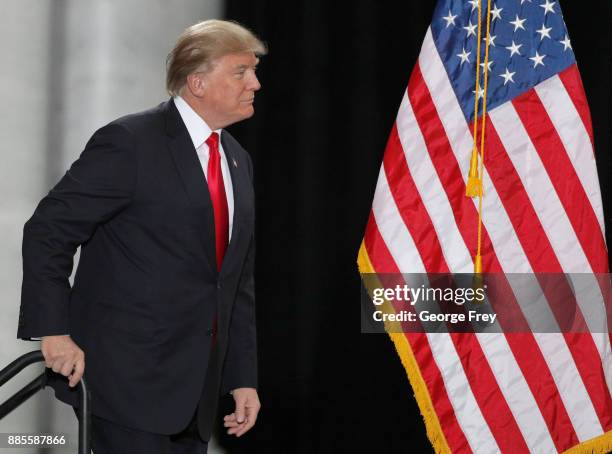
[[478, 264], [473, 188]]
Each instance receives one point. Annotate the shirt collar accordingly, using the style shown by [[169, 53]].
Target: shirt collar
[[198, 130]]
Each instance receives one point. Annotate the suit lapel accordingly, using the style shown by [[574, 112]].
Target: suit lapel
[[194, 183], [192, 176], [237, 187]]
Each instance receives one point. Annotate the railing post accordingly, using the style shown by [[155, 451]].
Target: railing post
[[83, 412]]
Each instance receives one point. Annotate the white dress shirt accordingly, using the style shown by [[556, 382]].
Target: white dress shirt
[[199, 131]]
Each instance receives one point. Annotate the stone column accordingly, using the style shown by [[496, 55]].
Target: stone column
[[69, 67]]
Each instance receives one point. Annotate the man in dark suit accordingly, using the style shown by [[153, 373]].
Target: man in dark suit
[[162, 308]]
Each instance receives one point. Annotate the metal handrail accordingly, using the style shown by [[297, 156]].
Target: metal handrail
[[83, 412]]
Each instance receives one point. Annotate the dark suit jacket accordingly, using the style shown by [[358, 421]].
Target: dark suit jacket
[[146, 290]]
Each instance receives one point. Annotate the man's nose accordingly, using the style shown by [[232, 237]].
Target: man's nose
[[254, 83]]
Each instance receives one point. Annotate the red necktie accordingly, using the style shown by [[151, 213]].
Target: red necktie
[[217, 196]]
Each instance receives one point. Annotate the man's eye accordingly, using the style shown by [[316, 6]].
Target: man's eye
[[239, 74]]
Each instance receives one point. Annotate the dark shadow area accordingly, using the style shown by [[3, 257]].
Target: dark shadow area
[[332, 84]]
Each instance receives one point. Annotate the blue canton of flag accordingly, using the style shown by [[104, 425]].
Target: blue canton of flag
[[528, 44]]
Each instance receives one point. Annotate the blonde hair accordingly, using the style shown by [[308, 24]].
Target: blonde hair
[[201, 44]]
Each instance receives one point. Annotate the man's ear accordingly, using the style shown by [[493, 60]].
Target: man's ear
[[196, 84]]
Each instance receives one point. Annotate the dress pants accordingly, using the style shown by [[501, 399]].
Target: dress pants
[[108, 437]]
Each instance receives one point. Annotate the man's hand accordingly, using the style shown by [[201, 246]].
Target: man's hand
[[245, 415], [64, 357]]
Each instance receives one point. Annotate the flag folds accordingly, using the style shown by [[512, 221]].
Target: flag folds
[[541, 213]]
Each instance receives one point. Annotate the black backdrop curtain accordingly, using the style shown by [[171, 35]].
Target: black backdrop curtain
[[332, 84]]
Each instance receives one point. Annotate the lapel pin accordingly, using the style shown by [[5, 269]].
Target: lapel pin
[[235, 163]]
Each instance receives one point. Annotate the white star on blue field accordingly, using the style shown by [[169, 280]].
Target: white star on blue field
[[528, 44]]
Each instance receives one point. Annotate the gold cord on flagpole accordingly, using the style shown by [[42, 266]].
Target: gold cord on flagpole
[[474, 186], [478, 258]]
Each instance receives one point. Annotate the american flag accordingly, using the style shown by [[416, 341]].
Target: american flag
[[542, 213]]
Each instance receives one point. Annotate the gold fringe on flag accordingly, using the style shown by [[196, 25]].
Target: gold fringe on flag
[[421, 393], [598, 445], [435, 434]]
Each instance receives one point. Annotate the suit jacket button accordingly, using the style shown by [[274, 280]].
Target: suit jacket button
[[219, 285], [209, 332]]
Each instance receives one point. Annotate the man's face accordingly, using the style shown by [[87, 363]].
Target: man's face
[[229, 89]]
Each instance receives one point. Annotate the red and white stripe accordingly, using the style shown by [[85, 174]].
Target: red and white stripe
[[542, 212]]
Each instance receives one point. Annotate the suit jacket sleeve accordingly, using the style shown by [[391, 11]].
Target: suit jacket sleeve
[[96, 187], [240, 370]]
